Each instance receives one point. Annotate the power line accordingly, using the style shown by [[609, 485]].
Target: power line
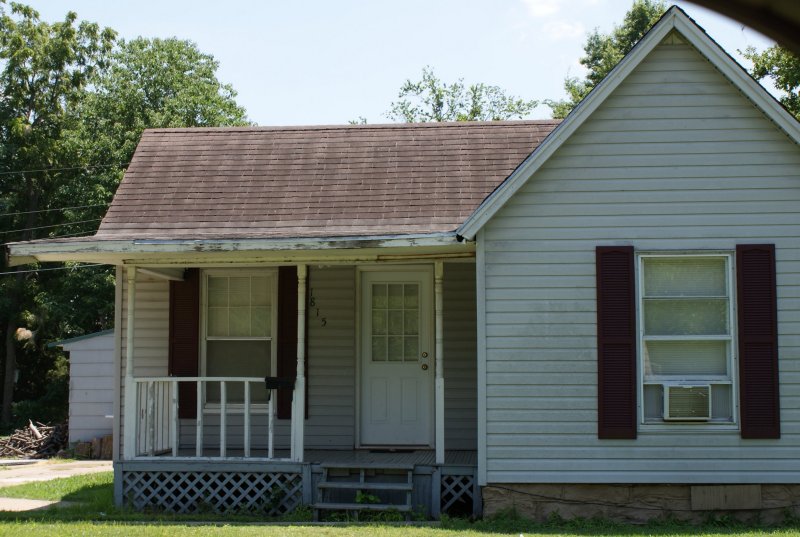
[[54, 225], [66, 169], [68, 235], [55, 268], [87, 233], [57, 209]]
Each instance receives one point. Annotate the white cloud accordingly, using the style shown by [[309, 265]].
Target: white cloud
[[564, 29], [541, 8]]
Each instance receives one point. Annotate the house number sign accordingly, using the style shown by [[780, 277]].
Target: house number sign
[[312, 303]]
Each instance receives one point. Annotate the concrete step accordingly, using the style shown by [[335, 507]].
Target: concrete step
[[355, 485], [367, 466], [362, 507]]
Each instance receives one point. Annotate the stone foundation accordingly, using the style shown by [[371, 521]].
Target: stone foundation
[[640, 503]]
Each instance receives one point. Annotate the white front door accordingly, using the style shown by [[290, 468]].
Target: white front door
[[396, 358]]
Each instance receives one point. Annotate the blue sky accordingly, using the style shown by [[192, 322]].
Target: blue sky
[[327, 62]]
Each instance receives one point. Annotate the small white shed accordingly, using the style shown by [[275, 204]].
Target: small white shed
[[91, 385]]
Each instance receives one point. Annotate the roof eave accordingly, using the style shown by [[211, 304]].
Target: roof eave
[[113, 251]]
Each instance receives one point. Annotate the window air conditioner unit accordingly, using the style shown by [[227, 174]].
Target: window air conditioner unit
[[687, 402]]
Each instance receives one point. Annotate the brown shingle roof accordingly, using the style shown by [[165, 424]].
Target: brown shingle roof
[[328, 181]]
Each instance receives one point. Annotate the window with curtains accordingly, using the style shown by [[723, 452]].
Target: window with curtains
[[686, 338], [238, 330]]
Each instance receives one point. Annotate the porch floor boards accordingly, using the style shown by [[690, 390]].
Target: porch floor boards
[[424, 457]]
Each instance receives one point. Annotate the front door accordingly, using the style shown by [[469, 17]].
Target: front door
[[396, 358]]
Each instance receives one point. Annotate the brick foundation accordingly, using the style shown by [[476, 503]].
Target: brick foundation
[[639, 503]]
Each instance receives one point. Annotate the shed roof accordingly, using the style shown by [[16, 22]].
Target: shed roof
[[76, 339], [324, 181]]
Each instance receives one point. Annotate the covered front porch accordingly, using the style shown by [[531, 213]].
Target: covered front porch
[[381, 388]]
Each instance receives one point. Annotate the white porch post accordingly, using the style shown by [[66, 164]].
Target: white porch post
[[438, 292], [299, 399], [130, 388]]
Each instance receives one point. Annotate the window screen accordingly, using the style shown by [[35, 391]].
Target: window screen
[[686, 332]]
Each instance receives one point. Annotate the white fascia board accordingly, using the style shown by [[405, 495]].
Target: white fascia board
[[740, 78], [675, 19], [108, 251]]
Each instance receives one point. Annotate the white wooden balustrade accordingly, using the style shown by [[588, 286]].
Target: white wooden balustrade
[[158, 423]]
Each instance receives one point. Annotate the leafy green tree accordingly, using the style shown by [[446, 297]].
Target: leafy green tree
[[154, 83], [73, 108], [44, 72], [783, 68], [430, 99], [604, 52], [149, 83]]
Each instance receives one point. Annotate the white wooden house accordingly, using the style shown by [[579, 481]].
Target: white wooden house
[[603, 312]]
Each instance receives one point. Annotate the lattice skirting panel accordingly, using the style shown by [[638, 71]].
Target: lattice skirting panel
[[458, 494], [270, 493]]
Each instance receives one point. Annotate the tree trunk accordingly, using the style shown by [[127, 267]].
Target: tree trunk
[[16, 294], [10, 372]]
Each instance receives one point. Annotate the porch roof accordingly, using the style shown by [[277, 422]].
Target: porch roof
[[323, 181], [299, 188]]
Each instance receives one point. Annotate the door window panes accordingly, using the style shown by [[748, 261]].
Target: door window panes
[[395, 322]]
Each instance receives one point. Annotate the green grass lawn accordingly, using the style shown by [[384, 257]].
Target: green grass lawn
[[172, 530], [89, 488], [92, 512]]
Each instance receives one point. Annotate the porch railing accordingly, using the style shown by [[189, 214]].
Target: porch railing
[[158, 422]]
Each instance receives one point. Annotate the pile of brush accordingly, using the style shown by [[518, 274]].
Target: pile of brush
[[36, 441]]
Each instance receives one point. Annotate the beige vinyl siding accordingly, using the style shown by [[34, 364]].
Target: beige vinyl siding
[[91, 387], [675, 159], [332, 360], [460, 373], [235, 439], [331, 373], [151, 330]]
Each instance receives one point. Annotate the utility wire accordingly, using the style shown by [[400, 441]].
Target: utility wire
[[67, 235], [120, 165], [55, 268], [56, 209], [54, 225], [87, 233]]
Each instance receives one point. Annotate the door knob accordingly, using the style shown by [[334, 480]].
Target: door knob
[[424, 367], [424, 354]]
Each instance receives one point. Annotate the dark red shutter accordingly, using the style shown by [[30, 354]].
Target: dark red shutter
[[287, 337], [184, 338], [756, 303], [616, 342]]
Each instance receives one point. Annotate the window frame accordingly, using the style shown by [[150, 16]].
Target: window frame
[[272, 274], [646, 424]]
